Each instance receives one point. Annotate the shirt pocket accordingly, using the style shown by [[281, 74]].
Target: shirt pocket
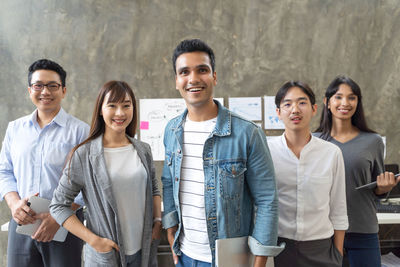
[[55, 155], [231, 177], [318, 191]]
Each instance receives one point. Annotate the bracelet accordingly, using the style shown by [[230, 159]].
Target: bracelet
[[157, 219]]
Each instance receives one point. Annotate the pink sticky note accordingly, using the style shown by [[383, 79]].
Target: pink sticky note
[[144, 125]]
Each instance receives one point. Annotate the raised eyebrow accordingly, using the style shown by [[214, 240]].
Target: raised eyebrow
[[117, 102], [47, 82], [340, 94], [202, 66], [291, 100], [302, 98]]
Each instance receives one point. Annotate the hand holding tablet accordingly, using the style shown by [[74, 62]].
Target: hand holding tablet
[[373, 184], [40, 205]]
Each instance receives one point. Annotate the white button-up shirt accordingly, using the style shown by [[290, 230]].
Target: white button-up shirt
[[311, 189]]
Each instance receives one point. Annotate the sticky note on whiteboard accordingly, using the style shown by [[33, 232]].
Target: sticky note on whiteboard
[[144, 125]]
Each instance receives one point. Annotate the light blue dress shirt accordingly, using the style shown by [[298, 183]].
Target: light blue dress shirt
[[32, 159]]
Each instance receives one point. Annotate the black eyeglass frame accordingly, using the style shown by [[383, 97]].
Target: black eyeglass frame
[[40, 86]]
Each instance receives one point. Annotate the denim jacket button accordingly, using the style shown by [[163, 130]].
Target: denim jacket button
[[176, 179], [179, 151]]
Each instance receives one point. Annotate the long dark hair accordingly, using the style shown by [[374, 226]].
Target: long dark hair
[[358, 118], [118, 91]]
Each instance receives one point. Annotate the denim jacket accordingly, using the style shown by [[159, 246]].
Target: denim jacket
[[239, 183]]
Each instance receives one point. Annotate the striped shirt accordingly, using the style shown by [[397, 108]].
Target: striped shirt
[[194, 238]]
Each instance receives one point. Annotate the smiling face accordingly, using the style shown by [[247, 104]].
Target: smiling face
[[343, 103], [195, 79], [117, 115], [296, 110], [48, 102]]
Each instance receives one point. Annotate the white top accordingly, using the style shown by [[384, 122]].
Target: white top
[[128, 178], [311, 189], [194, 238]]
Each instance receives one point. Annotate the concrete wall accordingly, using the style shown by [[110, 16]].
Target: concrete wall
[[258, 44]]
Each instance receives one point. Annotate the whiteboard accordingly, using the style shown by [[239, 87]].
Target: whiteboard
[[154, 116]]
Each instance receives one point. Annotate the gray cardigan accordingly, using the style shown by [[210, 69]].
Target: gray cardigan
[[88, 174]]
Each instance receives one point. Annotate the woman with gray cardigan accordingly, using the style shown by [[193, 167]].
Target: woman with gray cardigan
[[116, 176]]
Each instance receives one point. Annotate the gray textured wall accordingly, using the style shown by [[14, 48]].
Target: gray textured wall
[[258, 44]]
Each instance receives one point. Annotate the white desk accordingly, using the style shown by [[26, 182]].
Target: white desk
[[4, 227], [388, 218]]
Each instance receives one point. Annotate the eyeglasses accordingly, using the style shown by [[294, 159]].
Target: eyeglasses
[[288, 106], [53, 86]]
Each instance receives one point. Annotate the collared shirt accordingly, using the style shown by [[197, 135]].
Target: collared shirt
[[311, 189], [239, 183], [32, 158]]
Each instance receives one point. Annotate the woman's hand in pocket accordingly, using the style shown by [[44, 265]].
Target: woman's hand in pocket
[[104, 245]]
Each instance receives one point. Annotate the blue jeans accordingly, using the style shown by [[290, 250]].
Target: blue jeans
[[134, 259], [186, 261], [362, 250]]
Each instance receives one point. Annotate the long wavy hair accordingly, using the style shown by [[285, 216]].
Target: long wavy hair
[[358, 118], [118, 91]]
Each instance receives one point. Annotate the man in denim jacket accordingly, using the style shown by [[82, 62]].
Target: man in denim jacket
[[218, 177]]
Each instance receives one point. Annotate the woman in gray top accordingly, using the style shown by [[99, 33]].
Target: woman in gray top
[[116, 176], [343, 123]]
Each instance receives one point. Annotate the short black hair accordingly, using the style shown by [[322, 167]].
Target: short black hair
[[45, 64], [193, 45], [290, 84]]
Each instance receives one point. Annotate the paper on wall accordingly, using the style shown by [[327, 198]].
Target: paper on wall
[[247, 107], [271, 120]]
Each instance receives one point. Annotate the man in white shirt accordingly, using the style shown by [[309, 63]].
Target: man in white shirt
[[311, 188]]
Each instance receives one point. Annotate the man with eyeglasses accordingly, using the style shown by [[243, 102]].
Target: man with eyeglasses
[[310, 178], [32, 158]]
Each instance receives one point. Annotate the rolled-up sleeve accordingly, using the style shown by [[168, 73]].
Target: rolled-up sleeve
[[257, 248], [338, 207]]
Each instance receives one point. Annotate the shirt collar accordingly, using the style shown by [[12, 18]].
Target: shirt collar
[[60, 118], [224, 121], [223, 125], [308, 146]]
